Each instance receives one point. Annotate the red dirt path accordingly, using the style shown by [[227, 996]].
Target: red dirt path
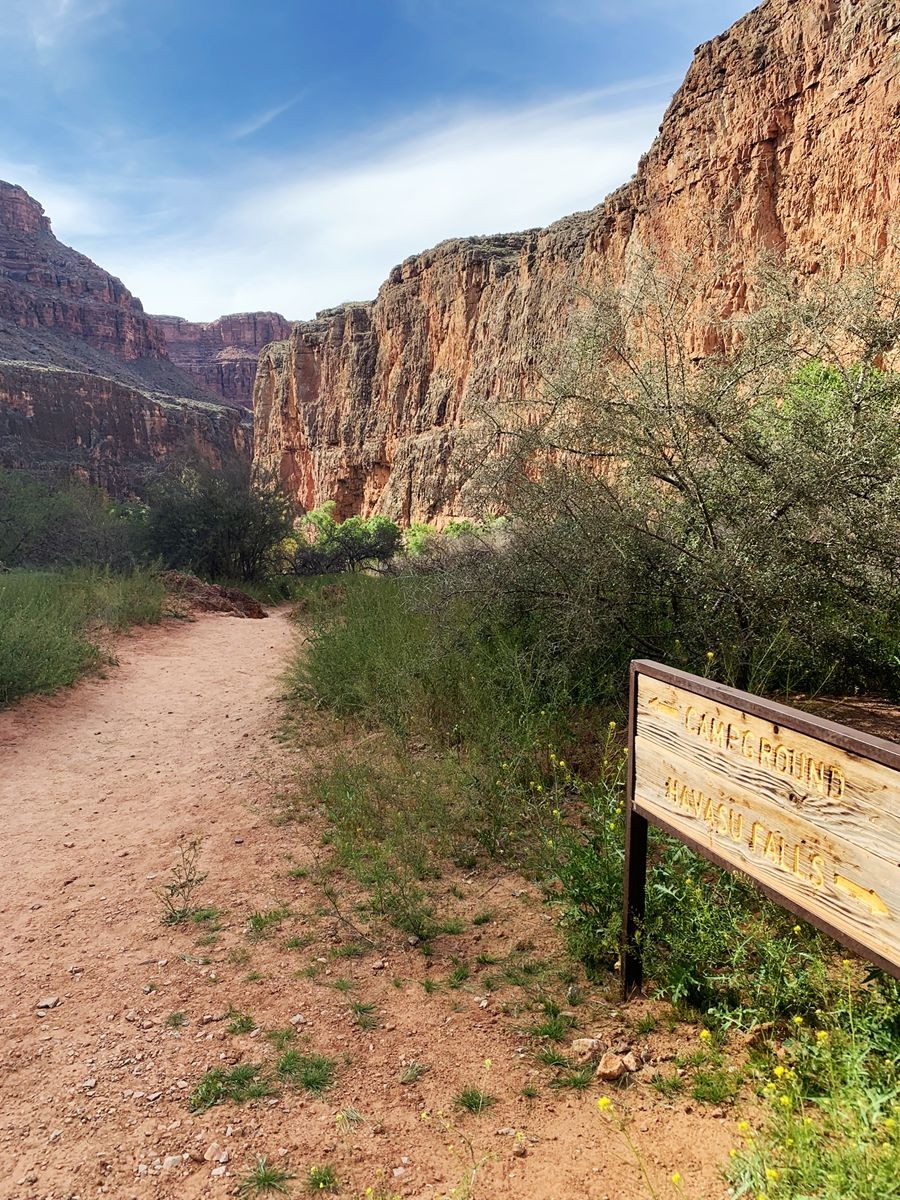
[[97, 787]]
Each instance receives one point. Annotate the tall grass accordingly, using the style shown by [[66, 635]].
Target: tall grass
[[51, 623], [532, 778], [487, 749]]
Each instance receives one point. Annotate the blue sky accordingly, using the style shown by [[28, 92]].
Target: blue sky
[[227, 155]]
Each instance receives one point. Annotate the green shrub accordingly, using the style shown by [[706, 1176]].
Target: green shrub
[[727, 538], [340, 546], [70, 524], [220, 524]]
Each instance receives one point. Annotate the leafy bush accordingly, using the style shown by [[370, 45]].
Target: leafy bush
[[741, 510], [68, 525], [345, 545], [221, 524]]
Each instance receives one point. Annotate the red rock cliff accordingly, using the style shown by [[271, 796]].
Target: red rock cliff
[[784, 135], [223, 354], [44, 284], [86, 387], [68, 423]]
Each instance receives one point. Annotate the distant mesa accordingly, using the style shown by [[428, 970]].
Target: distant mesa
[[223, 354], [91, 385]]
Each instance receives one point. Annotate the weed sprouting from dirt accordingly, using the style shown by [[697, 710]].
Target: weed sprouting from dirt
[[261, 923], [322, 1179], [458, 975], [240, 1022], [313, 1072], [177, 895], [474, 1099], [578, 1078], [364, 1014], [280, 1038], [243, 1082], [413, 1071]]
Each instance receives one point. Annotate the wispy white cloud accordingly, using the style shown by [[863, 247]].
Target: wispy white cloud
[[54, 25], [255, 123], [306, 234]]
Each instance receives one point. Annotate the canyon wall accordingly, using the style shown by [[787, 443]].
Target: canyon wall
[[223, 354], [70, 424], [86, 385], [46, 285], [783, 137]]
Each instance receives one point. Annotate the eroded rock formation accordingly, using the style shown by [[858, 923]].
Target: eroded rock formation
[[223, 354], [69, 423], [46, 285], [783, 136], [86, 386]]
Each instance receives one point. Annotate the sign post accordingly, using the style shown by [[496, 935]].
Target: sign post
[[807, 808]]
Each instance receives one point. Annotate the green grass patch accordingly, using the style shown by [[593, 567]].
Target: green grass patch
[[52, 623], [264, 1178], [313, 1072], [474, 1100], [243, 1082]]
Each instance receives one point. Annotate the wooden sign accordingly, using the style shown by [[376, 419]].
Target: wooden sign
[[809, 809]]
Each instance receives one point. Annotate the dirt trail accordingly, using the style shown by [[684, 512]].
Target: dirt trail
[[97, 787]]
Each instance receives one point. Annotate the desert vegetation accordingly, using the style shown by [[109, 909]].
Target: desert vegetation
[[77, 566], [733, 513]]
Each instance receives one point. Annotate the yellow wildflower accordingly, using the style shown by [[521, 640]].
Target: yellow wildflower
[[676, 1178], [604, 1103]]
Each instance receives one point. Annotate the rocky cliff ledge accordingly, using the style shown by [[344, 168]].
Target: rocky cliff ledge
[[223, 354], [86, 386], [784, 136]]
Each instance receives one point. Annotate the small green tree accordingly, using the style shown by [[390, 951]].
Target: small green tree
[[344, 546], [737, 510], [222, 524]]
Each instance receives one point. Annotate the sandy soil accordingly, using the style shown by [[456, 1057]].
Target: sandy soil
[[97, 788]]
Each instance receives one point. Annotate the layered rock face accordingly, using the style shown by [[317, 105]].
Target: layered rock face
[[223, 354], [72, 424], [86, 387], [46, 285], [783, 137]]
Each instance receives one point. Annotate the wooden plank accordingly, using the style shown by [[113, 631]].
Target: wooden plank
[[830, 786], [814, 820]]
